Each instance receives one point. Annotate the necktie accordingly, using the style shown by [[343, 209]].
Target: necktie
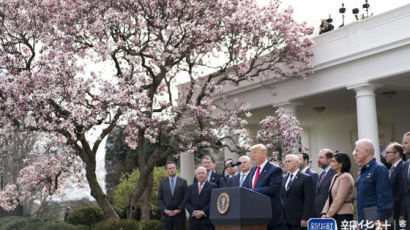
[[322, 176], [256, 176], [391, 171], [172, 186], [241, 180], [199, 188], [290, 182]]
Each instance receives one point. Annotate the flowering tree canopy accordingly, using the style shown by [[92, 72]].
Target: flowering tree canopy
[[280, 133], [56, 57]]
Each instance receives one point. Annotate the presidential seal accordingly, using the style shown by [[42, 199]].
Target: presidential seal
[[223, 203]]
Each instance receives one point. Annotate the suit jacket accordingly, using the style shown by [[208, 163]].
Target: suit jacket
[[234, 181], [269, 183], [222, 183], [168, 202], [214, 178], [322, 192], [194, 201], [299, 199], [342, 194], [313, 174], [405, 192], [396, 179]]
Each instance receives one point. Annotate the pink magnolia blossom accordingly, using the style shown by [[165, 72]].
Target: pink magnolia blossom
[[47, 48]]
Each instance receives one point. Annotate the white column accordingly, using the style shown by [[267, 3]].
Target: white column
[[289, 107], [187, 167], [366, 113]]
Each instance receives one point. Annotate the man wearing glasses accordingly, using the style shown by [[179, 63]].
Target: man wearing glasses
[[394, 155]]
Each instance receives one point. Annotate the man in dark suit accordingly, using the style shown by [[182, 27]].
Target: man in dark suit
[[394, 155], [212, 176], [405, 186], [242, 178], [297, 194], [304, 167], [171, 194], [324, 161], [197, 200], [231, 171], [265, 178]]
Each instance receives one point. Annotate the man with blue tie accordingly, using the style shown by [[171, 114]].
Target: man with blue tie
[[241, 178], [197, 200], [231, 172], [265, 178], [171, 194], [212, 176], [297, 194]]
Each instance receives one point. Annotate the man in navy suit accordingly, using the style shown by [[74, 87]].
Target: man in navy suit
[[304, 166], [197, 200], [212, 176], [265, 178], [171, 194], [297, 194], [405, 186], [241, 179], [394, 155], [324, 161], [231, 172]]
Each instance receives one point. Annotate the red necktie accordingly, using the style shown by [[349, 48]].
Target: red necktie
[[256, 176]]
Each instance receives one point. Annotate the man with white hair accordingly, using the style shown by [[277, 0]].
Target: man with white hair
[[197, 200], [298, 195], [373, 189], [241, 178], [266, 178]]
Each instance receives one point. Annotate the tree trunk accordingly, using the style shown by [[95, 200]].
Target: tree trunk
[[145, 207], [98, 193]]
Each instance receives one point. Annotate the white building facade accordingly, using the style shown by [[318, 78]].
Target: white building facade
[[360, 87]]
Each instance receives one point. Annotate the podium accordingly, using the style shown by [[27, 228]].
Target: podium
[[239, 209]]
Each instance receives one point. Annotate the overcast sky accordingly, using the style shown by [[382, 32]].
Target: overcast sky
[[312, 11]]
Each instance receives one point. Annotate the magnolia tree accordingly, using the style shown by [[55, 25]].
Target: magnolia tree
[[55, 57], [280, 133]]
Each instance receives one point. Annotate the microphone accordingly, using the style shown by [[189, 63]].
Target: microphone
[[228, 166]]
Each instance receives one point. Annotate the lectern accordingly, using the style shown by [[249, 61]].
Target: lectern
[[239, 209]]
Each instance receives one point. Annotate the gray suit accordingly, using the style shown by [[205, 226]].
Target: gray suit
[[322, 192]]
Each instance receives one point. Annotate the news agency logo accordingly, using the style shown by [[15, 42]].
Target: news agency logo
[[322, 224]]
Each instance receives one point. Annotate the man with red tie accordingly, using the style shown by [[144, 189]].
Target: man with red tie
[[266, 178], [197, 200]]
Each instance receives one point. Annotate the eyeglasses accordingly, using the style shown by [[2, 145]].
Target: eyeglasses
[[389, 152]]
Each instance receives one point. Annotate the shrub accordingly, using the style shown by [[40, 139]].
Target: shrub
[[7, 219], [123, 224], [152, 225], [86, 216], [59, 225], [21, 223]]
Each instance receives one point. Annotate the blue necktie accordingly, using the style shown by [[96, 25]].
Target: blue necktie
[[172, 186], [290, 182], [241, 180]]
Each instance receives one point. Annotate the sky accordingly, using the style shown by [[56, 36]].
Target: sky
[[312, 11]]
